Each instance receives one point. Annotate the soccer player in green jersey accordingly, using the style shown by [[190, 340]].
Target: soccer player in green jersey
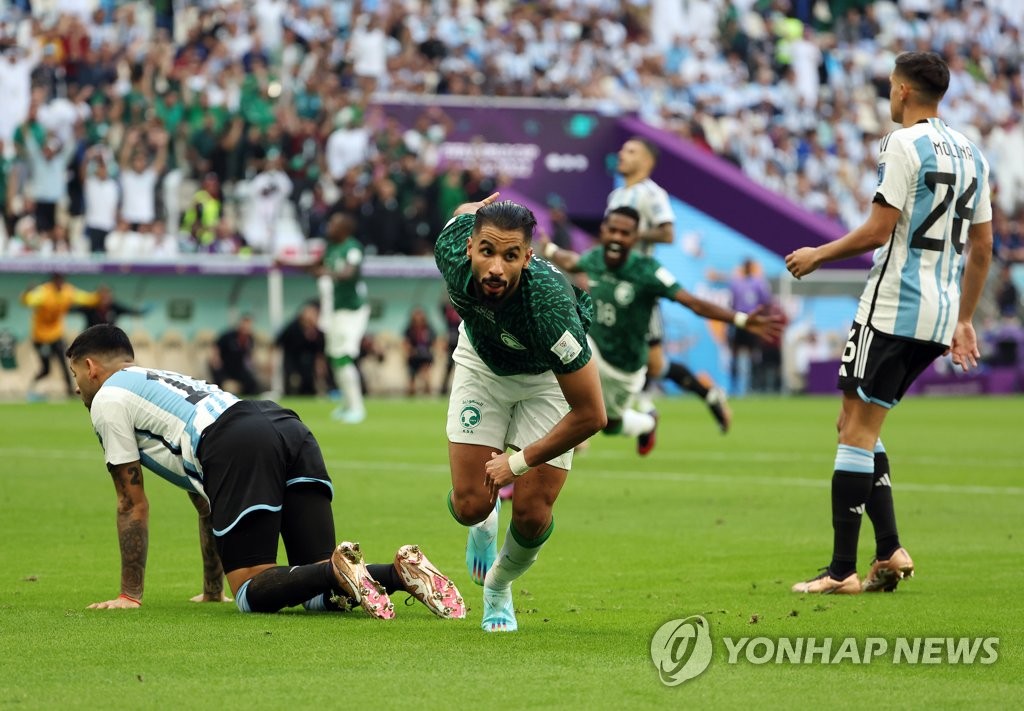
[[637, 159], [625, 286], [345, 312], [523, 379]]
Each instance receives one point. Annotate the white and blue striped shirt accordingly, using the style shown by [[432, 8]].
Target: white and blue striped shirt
[[157, 417], [939, 181]]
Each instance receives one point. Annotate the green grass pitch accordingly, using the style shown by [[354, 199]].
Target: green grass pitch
[[713, 525]]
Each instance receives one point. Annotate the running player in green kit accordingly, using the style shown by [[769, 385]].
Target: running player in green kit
[[625, 286], [523, 379]]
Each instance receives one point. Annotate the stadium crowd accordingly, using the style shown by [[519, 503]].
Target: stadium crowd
[[194, 126]]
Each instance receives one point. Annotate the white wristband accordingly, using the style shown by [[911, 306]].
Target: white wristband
[[517, 463], [550, 248], [739, 320]]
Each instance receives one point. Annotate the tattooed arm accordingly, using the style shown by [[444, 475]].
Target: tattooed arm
[[213, 571], [132, 533]]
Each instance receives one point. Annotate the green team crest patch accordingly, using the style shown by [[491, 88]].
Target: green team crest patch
[[624, 293], [470, 416]]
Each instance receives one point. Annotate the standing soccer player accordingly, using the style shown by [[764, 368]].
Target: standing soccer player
[[637, 159], [523, 379], [931, 221], [626, 287], [345, 312]]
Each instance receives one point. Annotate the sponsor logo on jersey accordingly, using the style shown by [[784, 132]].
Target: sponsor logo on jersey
[[881, 173], [624, 293], [567, 348], [509, 340]]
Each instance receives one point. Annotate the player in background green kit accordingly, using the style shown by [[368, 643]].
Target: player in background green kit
[[625, 286], [344, 312], [523, 379]]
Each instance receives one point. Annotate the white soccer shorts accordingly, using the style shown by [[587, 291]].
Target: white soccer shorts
[[618, 387], [501, 411], [345, 332]]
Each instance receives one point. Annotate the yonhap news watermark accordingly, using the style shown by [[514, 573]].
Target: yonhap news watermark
[[682, 649]]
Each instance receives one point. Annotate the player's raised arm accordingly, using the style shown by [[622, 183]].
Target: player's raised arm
[[759, 321], [132, 534], [565, 259], [470, 208], [875, 232]]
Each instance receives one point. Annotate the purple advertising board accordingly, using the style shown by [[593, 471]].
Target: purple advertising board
[[544, 151]]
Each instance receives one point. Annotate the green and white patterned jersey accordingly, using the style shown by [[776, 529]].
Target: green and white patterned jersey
[[623, 299], [541, 326], [349, 294]]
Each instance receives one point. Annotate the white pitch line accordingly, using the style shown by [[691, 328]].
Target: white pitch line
[[583, 471], [702, 478]]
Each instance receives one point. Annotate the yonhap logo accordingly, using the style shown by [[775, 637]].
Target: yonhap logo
[[681, 649]]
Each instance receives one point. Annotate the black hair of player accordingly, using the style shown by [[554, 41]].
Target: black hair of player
[[100, 340], [507, 216], [625, 211], [927, 71], [649, 146]]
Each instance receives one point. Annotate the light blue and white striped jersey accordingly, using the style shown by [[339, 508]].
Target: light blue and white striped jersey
[[650, 200], [157, 417], [939, 180]]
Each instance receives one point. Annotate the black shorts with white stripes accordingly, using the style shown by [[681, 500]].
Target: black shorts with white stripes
[[251, 454], [880, 367]]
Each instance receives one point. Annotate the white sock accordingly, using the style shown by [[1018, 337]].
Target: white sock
[[513, 560], [636, 423], [351, 388], [489, 526]]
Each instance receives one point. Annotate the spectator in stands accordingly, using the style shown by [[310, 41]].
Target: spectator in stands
[[203, 215], [50, 303], [231, 360], [741, 80], [102, 195], [7, 191], [384, 222], [124, 243], [267, 193], [419, 351], [48, 159], [140, 175], [304, 361]]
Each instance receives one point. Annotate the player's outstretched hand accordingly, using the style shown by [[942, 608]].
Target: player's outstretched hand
[[803, 261], [965, 346], [118, 603], [204, 597], [766, 324], [470, 208]]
